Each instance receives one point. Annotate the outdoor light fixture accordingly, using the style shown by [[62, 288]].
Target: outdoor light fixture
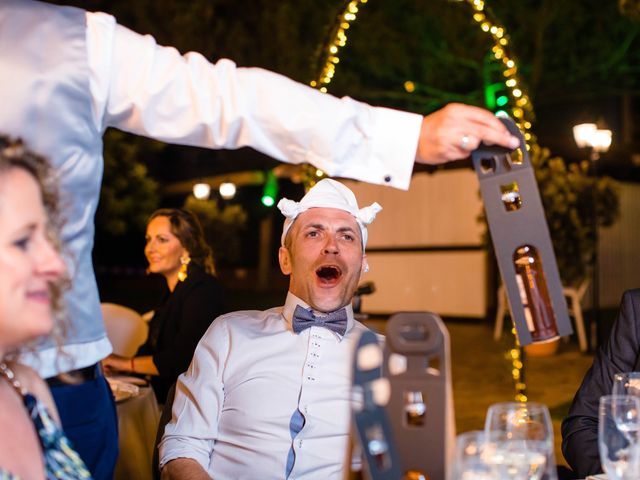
[[583, 133], [227, 190], [601, 140], [597, 140], [201, 191], [588, 135]]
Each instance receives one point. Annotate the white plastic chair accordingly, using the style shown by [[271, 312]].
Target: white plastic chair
[[126, 329], [574, 298]]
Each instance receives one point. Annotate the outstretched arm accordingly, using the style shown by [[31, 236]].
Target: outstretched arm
[[151, 90]]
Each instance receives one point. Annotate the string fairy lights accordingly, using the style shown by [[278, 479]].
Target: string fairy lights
[[330, 59], [338, 40], [522, 108], [514, 355]]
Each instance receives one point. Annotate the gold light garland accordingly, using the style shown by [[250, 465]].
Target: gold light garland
[[522, 111], [311, 175], [517, 371], [338, 41]]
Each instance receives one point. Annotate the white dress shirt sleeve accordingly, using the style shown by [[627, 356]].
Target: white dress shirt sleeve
[[147, 89], [198, 401]]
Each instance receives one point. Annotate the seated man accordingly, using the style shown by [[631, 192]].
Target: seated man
[[621, 353], [267, 394]]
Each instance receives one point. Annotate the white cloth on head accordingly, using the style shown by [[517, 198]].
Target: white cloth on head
[[249, 375], [328, 193]]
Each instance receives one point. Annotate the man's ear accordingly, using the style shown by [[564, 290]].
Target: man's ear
[[365, 264], [284, 257]]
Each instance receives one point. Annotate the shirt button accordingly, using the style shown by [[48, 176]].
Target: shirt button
[[387, 178], [300, 443]]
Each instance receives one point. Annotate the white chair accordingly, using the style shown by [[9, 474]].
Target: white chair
[[574, 298], [125, 327]]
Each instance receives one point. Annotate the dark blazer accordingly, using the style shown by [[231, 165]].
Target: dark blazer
[[621, 353], [178, 324]]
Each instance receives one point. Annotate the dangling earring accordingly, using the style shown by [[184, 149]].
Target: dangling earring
[[182, 273]]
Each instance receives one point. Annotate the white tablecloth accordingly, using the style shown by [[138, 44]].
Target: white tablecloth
[[137, 422]]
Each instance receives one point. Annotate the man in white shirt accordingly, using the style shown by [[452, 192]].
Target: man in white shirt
[[68, 75], [268, 392]]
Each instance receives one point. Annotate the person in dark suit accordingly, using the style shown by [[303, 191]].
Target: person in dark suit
[[175, 249], [621, 353]]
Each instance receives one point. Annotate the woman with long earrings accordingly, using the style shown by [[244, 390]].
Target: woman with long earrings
[[177, 250], [32, 444]]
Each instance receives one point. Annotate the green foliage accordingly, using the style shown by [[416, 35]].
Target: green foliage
[[128, 195], [222, 227], [568, 195]]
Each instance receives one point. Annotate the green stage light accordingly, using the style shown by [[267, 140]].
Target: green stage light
[[270, 190], [268, 201]]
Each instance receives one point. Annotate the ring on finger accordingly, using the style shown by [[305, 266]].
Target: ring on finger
[[464, 142]]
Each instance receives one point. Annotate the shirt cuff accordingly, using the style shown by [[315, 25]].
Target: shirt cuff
[[389, 150], [174, 448], [396, 142]]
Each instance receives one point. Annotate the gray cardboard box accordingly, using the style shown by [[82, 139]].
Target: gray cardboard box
[[516, 218]]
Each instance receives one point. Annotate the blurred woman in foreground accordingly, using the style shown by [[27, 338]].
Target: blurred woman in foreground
[[32, 444], [177, 250]]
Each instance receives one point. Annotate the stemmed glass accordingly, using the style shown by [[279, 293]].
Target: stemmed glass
[[523, 436], [618, 425], [626, 383], [472, 452]]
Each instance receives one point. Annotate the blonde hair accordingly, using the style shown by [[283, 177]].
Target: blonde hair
[[14, 155]]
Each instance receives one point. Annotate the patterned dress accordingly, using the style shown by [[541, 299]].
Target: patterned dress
[[60, 460]]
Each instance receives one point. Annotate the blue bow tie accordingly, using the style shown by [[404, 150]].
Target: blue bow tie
[[334, 321]]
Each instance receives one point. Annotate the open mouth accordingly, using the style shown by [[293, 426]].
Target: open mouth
[[328, 273]]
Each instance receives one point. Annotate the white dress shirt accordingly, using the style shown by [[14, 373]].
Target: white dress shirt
[[249, 374], [127, 81]]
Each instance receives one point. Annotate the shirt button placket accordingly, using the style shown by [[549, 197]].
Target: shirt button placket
[[314, 355]]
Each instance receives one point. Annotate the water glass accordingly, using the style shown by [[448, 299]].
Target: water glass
[[472, 451], [618, 425], [523, 436]]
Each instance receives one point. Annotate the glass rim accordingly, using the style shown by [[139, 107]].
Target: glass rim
[[608, 399], [514, 403], [630, 374]]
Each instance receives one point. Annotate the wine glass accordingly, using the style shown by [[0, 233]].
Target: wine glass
[[523, 436], [472, 451], [626, 383], [618, 424]]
